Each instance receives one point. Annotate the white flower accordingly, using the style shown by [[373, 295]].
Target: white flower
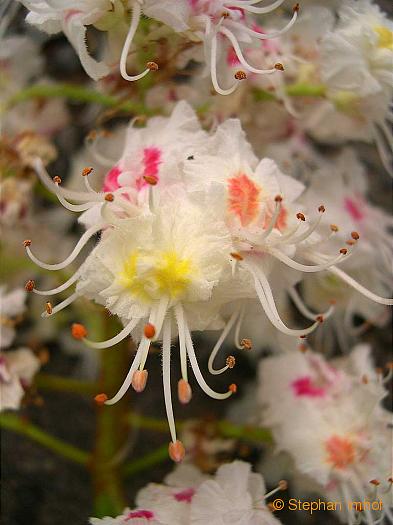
[[12, 305], [17, 369], [339, 403]]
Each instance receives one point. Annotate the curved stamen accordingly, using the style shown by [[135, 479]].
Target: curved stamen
[[87, 184], [358, 287], [213, 71], [136, 14], [166, 377], [127, 382], [113, 340], [241, 57], [73, 255], [238, 344], [264, 36], [61, 305], [74, 207], [303, 309], [47, 181], [182, 324], [60, 288], [219, 343], [266, 299], [303, 267], [273, 220], [258, 10]]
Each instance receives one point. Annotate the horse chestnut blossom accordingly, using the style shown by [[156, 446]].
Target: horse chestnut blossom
[[208, 22], [233, 495], [186, 237], [344, 453]]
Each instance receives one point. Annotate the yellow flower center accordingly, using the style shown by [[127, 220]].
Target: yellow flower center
[[385, 37], [150, 276]]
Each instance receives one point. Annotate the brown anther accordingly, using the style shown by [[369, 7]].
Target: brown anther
[[334, 228], [246, 344], [344, 251], [278, 198], [230, 361], [92, 135], [303, 348], [27, 243], [365, 379], [390, 480], [350, 242], [296, 8], [225, 14], [78, 331], [139, 380], [375, 482], [333, 301], [29, 286], [176, 451], [320, 318], [100, 399], [236, 256], [109, 197], [153, 66], [184, 391], [279, 66], [57, 179], [302, 336], [150, 179], [149, 330], [240, 75], [283, 484], [233, 388], [321, 209], [300, 216], [86, 171], [48, 308], [355, 236]]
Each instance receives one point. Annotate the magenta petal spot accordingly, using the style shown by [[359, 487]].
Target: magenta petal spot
[[151, 161], [304, 387], [354, 209], [111, 179], [147, 514], [185, 495], [232, 59]]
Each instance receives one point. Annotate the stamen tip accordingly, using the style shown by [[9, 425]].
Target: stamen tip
[[139, 380], [232, 388], [86, 171], [57, 179], [149, 331], [246, 344], [49, 308], [355, 236], [109, 197], [283, 484], [29, 286], [279, 66], [240, 75], [375, 482], [301, 216], [334, 228], [236, 256], [278, 198], [100, 399], [230, 361], [27, 243], [184, 391], [153, 66], [343, 251], [320, 318], [321, 209], [150, 179], [176, 451], [78, 331], [296, 8]]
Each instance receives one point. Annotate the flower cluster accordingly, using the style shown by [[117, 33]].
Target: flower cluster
[[195, 233]]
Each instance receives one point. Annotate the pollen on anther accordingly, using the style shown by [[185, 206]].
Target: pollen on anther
[[355, 236], [230, 361], [278, 198], [350, 242], [279, 66], [27, 243], [109, 197], [86, 171], [296, 8], [57, 179], [375, 482], [236, 256], [100, 399], [233, 388], [246, 344], [344, 251], [29, 286], [320, 318], [48, 308], [149, 330], [300, 216], [334, 228], [150, 179], [240, 75], [153, 66], [78, 331], [321, 209]]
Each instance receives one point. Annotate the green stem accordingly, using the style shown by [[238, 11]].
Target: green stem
[[294, 90], [112, 428], [21, 426], [226, 428], [160, 455], [64, 384], [78, 94]]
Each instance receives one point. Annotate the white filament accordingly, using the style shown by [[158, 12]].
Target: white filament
[[219, 343], [114, 340], [61, 305], [166, 376], [136, 14], [60, 288]]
